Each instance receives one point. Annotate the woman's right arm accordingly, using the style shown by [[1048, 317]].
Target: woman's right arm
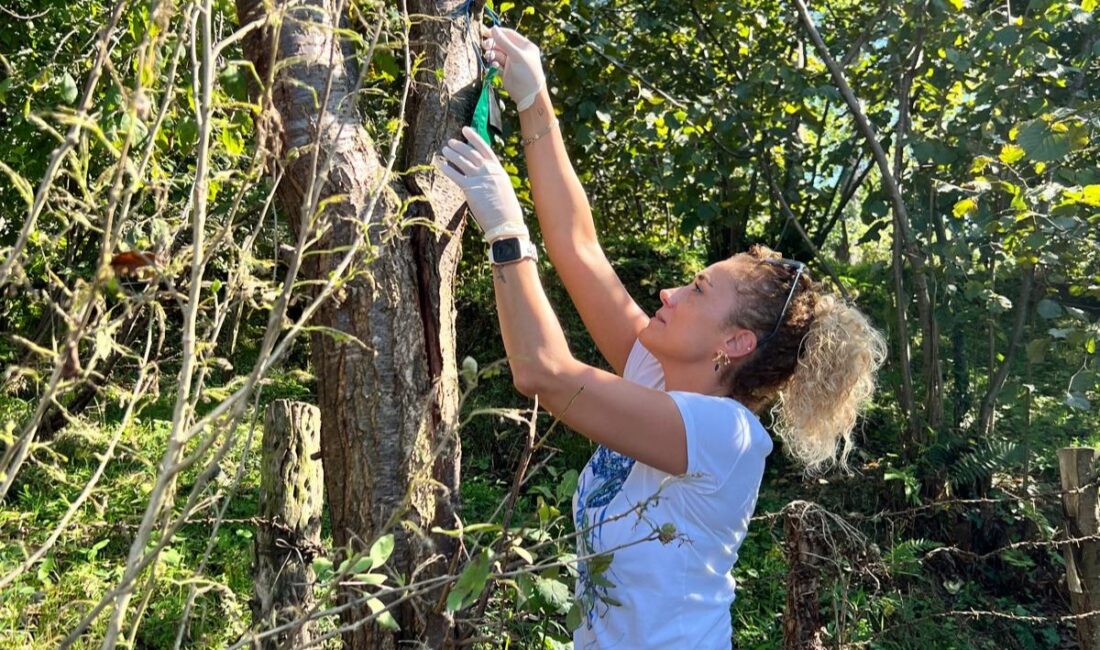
[[565, 218]]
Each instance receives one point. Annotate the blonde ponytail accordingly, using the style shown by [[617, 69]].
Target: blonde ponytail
[[817, 408]]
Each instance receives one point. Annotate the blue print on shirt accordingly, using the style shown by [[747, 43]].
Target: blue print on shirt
[[609, 471]]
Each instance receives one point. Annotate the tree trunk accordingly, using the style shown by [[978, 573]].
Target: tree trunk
[[290, 501], [1079, 504], [388, 396]]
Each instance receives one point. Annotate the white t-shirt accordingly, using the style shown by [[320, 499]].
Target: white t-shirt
[[674, 594]]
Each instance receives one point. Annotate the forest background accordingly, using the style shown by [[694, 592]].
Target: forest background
[[934, 160]]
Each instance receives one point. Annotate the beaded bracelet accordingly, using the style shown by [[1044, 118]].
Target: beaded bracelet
[[531, 140]]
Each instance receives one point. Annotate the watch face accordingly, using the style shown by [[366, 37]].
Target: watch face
[[506, 250]]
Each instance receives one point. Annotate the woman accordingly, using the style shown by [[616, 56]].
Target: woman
[[674, 481]]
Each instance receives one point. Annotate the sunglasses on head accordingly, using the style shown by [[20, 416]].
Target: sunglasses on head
[[791, 265]]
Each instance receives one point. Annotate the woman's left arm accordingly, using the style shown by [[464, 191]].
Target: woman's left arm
[[629, 418]]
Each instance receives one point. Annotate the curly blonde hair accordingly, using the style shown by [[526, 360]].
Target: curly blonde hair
[[817, 370]]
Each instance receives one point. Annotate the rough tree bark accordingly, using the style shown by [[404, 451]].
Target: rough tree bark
[[389, 398], [291, 498]]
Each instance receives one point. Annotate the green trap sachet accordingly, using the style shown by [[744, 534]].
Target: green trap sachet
[[487, 113]]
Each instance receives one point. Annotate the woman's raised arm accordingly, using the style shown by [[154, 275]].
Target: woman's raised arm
[[626, 417], [565, 217]]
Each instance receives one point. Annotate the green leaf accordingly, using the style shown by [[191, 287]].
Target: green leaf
[[95, 549], [573, 618], [873, 231], [1037, 351], [385, 619], [232, 141], [554, 593], [600, 563], [381, 550], [546, 511], [68, 88], [370, 579], [1006, 36], [234, 83], [524, 553], [926, 150], [1049, 309], [322, 566], [361, 564], [49, 564], [525, 588], [614, 602], [567, 485], [469, 371], [470, 583], [1077, 401], [1041, 143], [21, 185]]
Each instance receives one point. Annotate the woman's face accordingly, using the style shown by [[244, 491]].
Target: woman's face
[[693, 321]]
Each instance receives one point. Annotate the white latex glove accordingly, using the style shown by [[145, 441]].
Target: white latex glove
[[478, 173], [519, 59]]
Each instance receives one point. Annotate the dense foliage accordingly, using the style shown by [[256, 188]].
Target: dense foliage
[[698, 128]]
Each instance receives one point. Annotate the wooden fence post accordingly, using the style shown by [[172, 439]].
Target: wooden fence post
[[291, 499], [804, 548], [1079, 503]]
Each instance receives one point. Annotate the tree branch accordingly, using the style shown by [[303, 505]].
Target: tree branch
[[997, 382]]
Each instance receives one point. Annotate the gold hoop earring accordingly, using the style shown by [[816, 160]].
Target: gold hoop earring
[[721, 360]]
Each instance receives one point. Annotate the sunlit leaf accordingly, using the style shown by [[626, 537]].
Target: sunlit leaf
[[1011, 153], [21, 184], [384, 619], [964, 208]]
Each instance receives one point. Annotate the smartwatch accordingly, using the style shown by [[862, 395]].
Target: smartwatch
[[511, 249]]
